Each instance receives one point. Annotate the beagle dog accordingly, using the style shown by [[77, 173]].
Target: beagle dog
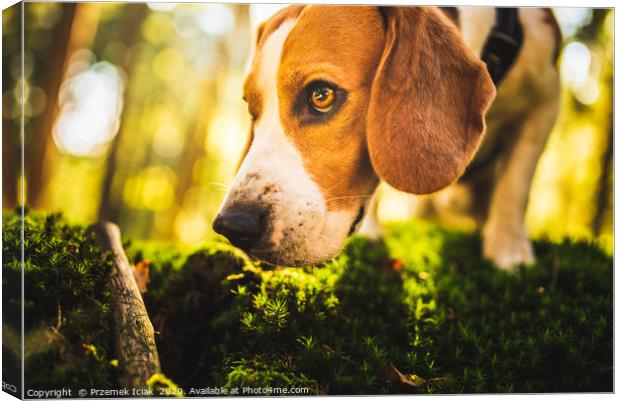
[[342, 97]]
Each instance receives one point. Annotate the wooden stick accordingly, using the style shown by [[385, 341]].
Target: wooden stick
[[135, 339]]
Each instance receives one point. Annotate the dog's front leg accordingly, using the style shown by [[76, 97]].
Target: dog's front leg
[[370, 226], [505, 239]]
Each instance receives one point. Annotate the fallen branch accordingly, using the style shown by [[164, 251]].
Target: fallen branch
[[135, 340]]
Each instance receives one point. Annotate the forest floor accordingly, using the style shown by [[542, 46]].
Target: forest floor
[[418, 312]]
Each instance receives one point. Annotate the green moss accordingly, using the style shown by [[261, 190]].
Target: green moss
[[160, 385], [544, 328], [419, 312], [423, 301], [68, 339]]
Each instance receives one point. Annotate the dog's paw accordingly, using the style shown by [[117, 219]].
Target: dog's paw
[[506, 248]]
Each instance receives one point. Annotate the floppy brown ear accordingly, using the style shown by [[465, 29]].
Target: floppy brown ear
[[428, 100], [271, 24]]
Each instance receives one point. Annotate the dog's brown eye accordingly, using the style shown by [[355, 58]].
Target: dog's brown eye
[[322, 99]]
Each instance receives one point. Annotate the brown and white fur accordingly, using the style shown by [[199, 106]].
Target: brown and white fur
[[413, 104]]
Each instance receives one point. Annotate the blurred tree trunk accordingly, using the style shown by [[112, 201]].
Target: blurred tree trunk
[[40, 132], [108, 205], [604, 200], [77, 30], [591, 34], [605, 182], [11, 165], [194, 147], [11, 141]]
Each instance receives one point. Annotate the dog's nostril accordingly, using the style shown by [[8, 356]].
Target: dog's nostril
[[243, 228]]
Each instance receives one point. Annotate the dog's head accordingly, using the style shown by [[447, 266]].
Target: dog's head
[[340, 97]]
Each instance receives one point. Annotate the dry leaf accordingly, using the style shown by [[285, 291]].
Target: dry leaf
[[393, 266], [453, 316], [398, 265], [327, 348], [391, 373], [141, 274]]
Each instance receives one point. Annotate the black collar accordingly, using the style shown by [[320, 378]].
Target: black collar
[[503, 43]]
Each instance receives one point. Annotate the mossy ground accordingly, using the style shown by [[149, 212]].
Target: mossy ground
[[67, 319], [418, 312]]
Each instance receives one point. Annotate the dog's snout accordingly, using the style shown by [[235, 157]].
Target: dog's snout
[[242, 227]]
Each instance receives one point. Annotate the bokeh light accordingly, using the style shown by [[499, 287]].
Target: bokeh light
[[90, 107], [150, 189], [161, 6], [261, 12], [216, 19], [576, 61]]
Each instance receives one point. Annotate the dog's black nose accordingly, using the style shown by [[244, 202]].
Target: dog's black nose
[[243, 228]]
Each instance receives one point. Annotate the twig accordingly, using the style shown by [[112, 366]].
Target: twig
[[58, 318], [135, 340], [555, 272]]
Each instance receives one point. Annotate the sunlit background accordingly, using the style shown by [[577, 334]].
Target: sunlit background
[[133, 113]]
